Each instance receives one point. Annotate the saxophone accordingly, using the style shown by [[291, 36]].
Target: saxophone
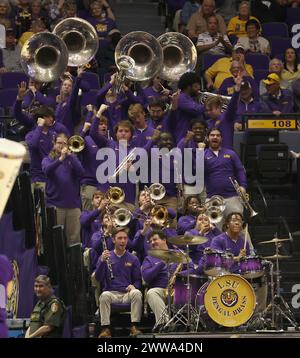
[[171, 283]]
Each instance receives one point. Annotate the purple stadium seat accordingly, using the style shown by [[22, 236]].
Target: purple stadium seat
[[271, 29], [92, 79], [89, 98], [208, 60], [12, 79], [279, 45], [258, 61], [8, 97], [260, 75], [293, 15]]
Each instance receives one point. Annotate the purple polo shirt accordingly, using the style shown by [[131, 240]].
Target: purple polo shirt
[[63, 181], [126, 270], [185, 223], [284, 103], [141, 137], [218, 169], [224, 243], [6, 274], [103, 27], [30, 100], [227, 86], [40, 144], [244, 108], [162, 124]]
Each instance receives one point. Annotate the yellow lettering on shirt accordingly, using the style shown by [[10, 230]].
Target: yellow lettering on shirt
[[101, 27], [128, 264], [227, 156]]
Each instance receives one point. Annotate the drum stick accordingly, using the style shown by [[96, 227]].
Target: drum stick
[[246, 236]]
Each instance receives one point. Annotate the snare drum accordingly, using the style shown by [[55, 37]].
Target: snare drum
[[180, 288], [229, 300], [217, 262], [251, 267]]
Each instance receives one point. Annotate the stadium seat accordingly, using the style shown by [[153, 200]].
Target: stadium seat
[[258, 61], [271, 29]]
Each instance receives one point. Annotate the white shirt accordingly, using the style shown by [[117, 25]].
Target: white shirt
[[205, 38]]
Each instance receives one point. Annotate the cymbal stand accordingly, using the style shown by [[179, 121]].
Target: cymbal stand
[[278, 306], [187, 314]]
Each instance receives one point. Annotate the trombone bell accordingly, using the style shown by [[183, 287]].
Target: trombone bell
[[122, 217], [116, 195], [157, 191]]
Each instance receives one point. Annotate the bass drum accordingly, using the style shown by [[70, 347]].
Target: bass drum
[[229, 300]]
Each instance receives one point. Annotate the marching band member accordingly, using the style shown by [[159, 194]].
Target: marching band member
[[191, 209], [204, 228], [232, 241], [6, 274], [219, 165], [142, 131], [63, 171], [159, 115], [124, 287]]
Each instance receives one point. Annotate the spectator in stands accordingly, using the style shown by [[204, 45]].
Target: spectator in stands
[[291, 70], [227, 86], [220, 70], [247, 104], [69, 10], [10, 54], [189, 8], [212, 41], [275, 66], [39, 13], [296, 92], [237, 24], [276, 100], [23, 17], [198, 24], [252, 42], [294, 3], [63, 172], [54, 10], [48, 315], [5, 14], [103, 20], [36, 27]]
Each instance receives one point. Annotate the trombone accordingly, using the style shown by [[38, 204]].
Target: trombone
[[244, 198], [123, 164]]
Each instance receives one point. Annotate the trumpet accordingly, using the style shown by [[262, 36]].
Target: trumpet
[[76, 144], [244, 198]]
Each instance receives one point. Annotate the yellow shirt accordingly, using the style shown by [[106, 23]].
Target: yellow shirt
[[25, 36], [289, 77], [221, 70], [237, 27]]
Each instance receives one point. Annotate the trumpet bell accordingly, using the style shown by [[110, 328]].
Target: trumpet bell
[[179, 55], [157, 191], [144, 50], [159, 215], [80, 38], [122, 217], [76, 143], [116, 195], [44, 57]]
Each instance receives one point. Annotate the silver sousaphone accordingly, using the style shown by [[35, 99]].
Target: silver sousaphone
[[44, 57], [81, 39], [179, 55]]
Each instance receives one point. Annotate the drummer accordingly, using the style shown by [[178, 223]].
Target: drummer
[[232, 241], [202, 228], [155, 274]]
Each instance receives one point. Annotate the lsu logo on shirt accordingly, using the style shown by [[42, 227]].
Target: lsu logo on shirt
[[227, 156], [128, 264], [101, 28]]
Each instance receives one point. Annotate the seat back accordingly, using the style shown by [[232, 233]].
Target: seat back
[[271, 29], [279, 45], [258, 61]]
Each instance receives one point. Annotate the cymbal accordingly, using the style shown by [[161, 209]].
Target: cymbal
[[169, 256], [273, 241], [275, 257], [187, 240]]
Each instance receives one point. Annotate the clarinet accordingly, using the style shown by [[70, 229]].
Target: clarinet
[[109, 266]]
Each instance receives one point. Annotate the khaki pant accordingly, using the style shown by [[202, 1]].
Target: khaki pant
[[86, 194], [134, 297], [156, 300], [69, 218]]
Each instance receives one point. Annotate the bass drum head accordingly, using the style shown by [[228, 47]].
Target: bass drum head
[[230, 300]]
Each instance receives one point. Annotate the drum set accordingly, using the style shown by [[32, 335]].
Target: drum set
[[219, 298]]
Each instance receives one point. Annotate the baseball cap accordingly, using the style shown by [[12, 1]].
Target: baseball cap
[[238, 46], [271, 78], [245, 85]]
